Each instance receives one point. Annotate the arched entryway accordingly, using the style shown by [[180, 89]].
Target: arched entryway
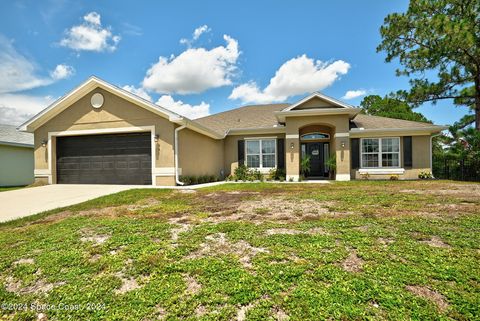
[[316, 146]]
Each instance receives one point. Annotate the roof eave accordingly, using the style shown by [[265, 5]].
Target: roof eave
[[351, 111], [361, 132], [258, 130], [16, 144], [92, 82]]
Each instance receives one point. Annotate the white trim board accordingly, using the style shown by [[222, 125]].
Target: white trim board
[[382, 171]]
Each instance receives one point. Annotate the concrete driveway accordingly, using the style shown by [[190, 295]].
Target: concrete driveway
[[29, 201]]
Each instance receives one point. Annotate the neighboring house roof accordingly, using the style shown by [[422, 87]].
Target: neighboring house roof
[[9, 135], [247, 117]]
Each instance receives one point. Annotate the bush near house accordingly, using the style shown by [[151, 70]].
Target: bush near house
[[202, 179]]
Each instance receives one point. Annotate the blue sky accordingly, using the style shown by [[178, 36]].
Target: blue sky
[[232, 53]]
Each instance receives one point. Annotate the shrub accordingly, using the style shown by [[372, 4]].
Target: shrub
[[241, 173], [425, 175], [193, 180], [277, 174], [394, 177]]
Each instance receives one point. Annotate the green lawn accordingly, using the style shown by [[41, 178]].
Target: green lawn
[[342, 251], [10, 188]]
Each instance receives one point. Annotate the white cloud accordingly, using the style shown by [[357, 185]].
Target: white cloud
[[90, 35], [196, 34], [297, 76], [62, 71], [199, 31], [194, 70], [179, 107], [17, 108], [138, 91], [16, 71], [354, 94]]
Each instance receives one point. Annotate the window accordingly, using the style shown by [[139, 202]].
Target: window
[[380, 152], [261, 153], [314, 136]]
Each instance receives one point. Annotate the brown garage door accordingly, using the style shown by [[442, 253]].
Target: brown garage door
[[105, 159]]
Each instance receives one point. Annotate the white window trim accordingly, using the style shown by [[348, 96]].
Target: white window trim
[[261, 168], [379, 153]]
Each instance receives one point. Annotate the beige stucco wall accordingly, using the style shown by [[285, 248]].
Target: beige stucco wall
[[315, 102], [421, 150], [231, 152], [115, 113], [199, 154], [16, 165], [338, 124]]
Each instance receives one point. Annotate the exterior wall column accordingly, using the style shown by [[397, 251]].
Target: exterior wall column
[[342, 148], [292, 156]]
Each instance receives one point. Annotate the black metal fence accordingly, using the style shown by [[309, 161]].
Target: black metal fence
[[457, 169]]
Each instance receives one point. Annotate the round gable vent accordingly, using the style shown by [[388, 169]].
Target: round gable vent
[[97, 100]]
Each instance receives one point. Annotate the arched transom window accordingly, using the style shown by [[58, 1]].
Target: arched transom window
[[315, 136]]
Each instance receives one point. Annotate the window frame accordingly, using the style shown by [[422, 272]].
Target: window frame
[[314, 139], [380, 153], [260, 139]]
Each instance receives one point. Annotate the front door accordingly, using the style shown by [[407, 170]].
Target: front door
[[318, 152]]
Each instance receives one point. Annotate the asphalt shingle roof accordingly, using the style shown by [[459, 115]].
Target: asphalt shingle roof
[[10, 135], [263, 116], [255, 116]]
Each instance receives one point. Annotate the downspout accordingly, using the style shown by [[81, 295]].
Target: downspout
[[177, 180]]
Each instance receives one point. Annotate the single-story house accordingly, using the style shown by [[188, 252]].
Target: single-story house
[[16, 157], [101, 134]]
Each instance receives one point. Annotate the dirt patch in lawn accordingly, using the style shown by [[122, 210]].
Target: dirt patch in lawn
[[38, 287], [193, 287], [431, 295], [89, 235], [24, 261], [258, 208], [353, 263], [128, 284], [218, 244], [435, 241], [287, 231], [468, 191]]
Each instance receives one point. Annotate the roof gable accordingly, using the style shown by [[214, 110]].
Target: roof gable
[[76, 94], [317, 101]]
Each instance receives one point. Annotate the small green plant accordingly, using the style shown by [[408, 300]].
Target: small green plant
[[305, 166], [290, 179], [425, 175], [332, 165], [394, 177], [277, 174]]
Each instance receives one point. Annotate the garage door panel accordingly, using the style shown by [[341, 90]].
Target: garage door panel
[[104, 159]]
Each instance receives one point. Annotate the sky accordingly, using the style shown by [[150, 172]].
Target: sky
[[198, 57]]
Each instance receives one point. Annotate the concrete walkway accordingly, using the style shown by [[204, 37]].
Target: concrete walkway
[[28, 201]]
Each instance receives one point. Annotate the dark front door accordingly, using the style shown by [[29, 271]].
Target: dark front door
[[105, 159], [316, 152]]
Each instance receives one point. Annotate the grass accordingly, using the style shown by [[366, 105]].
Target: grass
[[344, 251], [10, 188]]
